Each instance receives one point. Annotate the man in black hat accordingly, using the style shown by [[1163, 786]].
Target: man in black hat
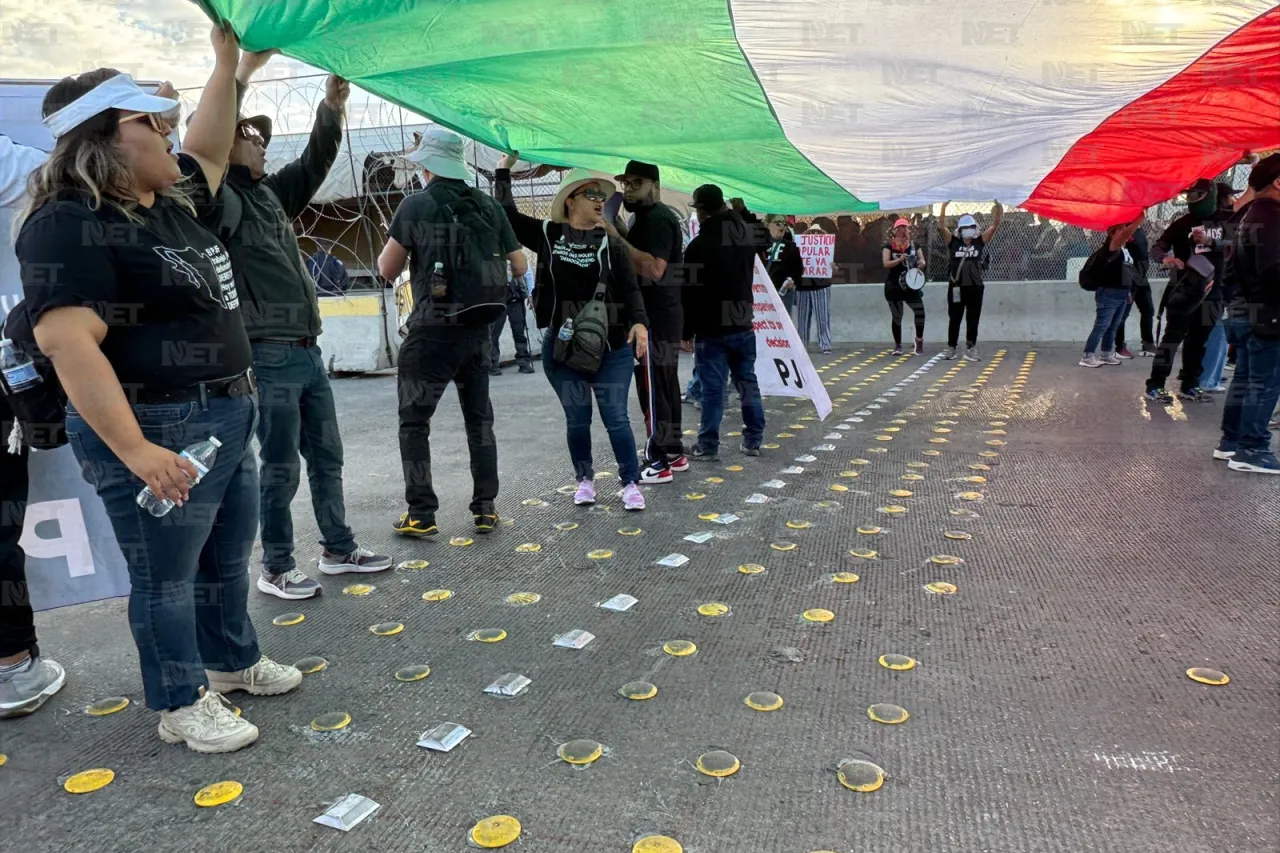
[[282, 316], [655, 242], [719, 315], [1192, 301]]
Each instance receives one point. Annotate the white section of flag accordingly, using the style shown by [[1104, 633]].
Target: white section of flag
[[961, 101], [783, 368]]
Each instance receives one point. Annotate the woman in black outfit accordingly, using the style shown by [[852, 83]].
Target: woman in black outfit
[[571, 247], [782, 259], [135, 303], [898, 256]]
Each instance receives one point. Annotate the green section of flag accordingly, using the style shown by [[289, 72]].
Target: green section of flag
[[569, 82]]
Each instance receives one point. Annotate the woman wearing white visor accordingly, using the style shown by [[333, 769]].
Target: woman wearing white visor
[[135, 303], [964, 277]]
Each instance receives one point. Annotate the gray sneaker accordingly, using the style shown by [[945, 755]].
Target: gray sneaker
[[359, 560], [971, 354], [750, 450], [25, 689], [291, 585], [949, 353]]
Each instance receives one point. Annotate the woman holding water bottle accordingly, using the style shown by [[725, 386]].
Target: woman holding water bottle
[[134, 302], [575, 257]]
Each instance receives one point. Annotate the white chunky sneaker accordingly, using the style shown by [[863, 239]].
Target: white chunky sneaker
[[207, 726], [264, 678]]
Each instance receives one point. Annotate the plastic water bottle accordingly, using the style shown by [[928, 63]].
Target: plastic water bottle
[[566, 331], [18, 369], [439, 284], [202, 455]]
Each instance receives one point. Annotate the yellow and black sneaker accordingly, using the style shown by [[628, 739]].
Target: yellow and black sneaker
[[486, 519], [407, 525]]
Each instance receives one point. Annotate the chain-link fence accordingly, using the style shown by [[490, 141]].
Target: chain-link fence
[[369, 182]]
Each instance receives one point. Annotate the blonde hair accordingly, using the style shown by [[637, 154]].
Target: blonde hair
[[87, 158]]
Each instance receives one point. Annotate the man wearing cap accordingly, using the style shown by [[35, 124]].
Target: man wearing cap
[[1253, 325], [719, 315], [449, 340], [1192, 301], [655, 242], [282, 316]]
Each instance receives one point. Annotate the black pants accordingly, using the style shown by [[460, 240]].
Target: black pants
[[917, 308], [1147, 311], [1191, 331], [430, 358], [17, 625], [519, 331], [658, 387], [964, 303]]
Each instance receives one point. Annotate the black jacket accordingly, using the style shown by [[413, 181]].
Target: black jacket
[[782, 258], [718, 299], [277, 292], [1256, 264]]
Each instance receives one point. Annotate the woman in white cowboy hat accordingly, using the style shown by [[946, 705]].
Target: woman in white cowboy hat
[[574, 256]]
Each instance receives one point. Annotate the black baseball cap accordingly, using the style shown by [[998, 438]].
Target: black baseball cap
[[636, 169], [1267, 171], [708, 197], [1200, 189]]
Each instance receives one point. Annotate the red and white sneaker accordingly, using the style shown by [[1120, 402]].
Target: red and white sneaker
[[680, 464], [657, 474]]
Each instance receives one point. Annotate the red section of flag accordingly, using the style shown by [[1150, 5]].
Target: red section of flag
[[1194, 125]]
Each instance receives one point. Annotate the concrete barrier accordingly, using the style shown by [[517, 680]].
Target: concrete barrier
[[359, 333], [360, 336], [1038, 311]]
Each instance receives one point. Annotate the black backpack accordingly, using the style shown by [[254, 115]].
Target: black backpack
[[475, 265], [1094, 267], [41, 412]]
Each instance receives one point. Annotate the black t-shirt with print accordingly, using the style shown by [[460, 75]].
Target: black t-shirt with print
[[970, 273], [575, 273], [163, 286], [895, 289], [1177, 239]]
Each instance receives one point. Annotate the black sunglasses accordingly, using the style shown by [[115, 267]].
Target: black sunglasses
[[591, 195]]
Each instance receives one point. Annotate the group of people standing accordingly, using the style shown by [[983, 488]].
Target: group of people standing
[[1223, 255]]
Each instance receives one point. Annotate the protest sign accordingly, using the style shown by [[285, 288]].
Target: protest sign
[[783, 368], [818, 251]]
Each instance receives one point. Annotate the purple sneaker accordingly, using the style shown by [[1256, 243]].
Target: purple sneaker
[[632, 497], [586, 494]]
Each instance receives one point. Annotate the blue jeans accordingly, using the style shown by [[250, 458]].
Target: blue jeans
[[298, 417], [188, 570], [1254, 390], [1111, 302], [611, 385], [1215, 356], [718, 358]]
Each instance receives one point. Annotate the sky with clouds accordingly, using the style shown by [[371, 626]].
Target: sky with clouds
[[155, 40]]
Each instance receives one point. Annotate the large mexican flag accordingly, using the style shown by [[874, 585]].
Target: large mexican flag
[[1086, 111]]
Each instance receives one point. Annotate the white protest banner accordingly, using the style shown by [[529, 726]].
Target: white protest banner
[[783, 368], [818, 251]]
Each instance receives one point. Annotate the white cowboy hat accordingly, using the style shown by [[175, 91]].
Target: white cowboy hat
[[569, 184], [440, 152]]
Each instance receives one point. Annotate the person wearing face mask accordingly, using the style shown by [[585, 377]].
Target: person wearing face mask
[[1192, 301], [134, 302], [964, 277], [783, 259], [900, 255], [655, 244], [577, 259]]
